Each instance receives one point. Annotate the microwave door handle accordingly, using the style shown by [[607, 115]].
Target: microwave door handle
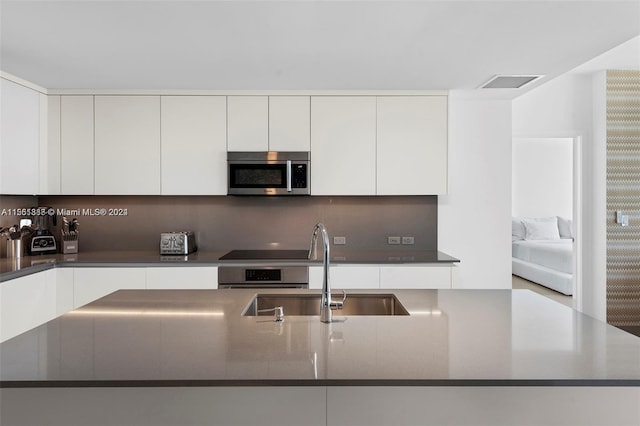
[[288, 175]]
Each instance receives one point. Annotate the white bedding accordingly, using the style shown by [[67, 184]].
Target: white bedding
[[553, 254], [546, 262]]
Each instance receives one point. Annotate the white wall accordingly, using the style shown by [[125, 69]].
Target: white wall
[[542, 177], [573, 105], [474, 219]]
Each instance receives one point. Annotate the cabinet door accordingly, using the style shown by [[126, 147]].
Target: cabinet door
[[289, 123], [343, 145], [64, 290], [346, 277], [187, 277], [352, 277], [127, 145], [90, 284], [248, 121], [412, 145], [50, 150], [19, 139], [26, 302], [194, 145], [415, 277], [76, 145]]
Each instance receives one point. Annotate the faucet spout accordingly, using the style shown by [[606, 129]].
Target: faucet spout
[[326, 304]]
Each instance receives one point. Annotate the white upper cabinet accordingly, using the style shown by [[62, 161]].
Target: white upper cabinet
[[289, 123], [50, 149], [19, 139], [176, 145], [76, 145], [127, 145], [343, 145], [412, 145], [194, 145], [268, 123], [248, 123]]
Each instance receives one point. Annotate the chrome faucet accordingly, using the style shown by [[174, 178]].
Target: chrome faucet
[[326, 304]]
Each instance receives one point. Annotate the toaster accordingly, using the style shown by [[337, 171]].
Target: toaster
[[178, 242]]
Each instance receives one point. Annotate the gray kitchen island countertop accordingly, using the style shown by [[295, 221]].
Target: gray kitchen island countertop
[[168, 338]]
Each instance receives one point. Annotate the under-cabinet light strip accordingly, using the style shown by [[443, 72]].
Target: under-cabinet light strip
[[148, 313]]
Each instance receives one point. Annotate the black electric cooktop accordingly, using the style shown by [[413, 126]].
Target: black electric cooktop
[[266, 255]]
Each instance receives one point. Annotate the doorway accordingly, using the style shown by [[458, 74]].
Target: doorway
[[546, 185]]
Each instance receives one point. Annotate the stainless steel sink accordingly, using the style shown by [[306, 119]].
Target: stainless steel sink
[[309, 304]]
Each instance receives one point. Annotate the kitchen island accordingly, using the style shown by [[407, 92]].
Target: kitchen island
[[190, 357]]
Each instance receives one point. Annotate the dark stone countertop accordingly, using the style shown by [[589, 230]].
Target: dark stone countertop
[[14, 268]]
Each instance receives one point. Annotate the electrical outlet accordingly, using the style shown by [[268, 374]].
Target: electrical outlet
[[407, 240], [622, 219], [339, 241], [393, 240]]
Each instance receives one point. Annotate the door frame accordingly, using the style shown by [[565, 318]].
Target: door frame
[[577, 194]]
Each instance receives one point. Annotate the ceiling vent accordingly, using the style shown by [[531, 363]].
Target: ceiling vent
[[509, 81]]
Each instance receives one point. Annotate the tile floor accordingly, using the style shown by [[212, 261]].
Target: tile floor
[[519, 283]]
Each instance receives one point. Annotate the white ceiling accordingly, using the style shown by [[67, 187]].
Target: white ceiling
[[281, 45]]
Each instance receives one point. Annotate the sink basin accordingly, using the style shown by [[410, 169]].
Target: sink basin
[[309, 304]]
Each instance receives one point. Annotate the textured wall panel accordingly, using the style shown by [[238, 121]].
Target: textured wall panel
[[623, 193]]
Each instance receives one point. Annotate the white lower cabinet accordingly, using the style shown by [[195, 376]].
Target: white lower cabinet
[[355, 277], [64, 290], [182, 277], [90, 284], [346, 277], [30, 301], [423, 276], [416, 277], [27, 302]]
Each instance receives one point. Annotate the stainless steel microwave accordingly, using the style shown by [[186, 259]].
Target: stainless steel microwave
[[269, 173]]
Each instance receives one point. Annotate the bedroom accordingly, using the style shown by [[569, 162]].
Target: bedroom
[[543, 237]]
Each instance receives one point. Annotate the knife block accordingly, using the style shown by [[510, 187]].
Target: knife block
[[70, 243], [69, 247]]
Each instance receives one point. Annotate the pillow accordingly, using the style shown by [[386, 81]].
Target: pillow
[[544, 228], [517, 229], [564, 227]]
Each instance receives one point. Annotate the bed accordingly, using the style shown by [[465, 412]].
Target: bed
[[542, 252]]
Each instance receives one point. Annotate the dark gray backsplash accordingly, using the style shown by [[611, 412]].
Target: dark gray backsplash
[[223, 223]]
